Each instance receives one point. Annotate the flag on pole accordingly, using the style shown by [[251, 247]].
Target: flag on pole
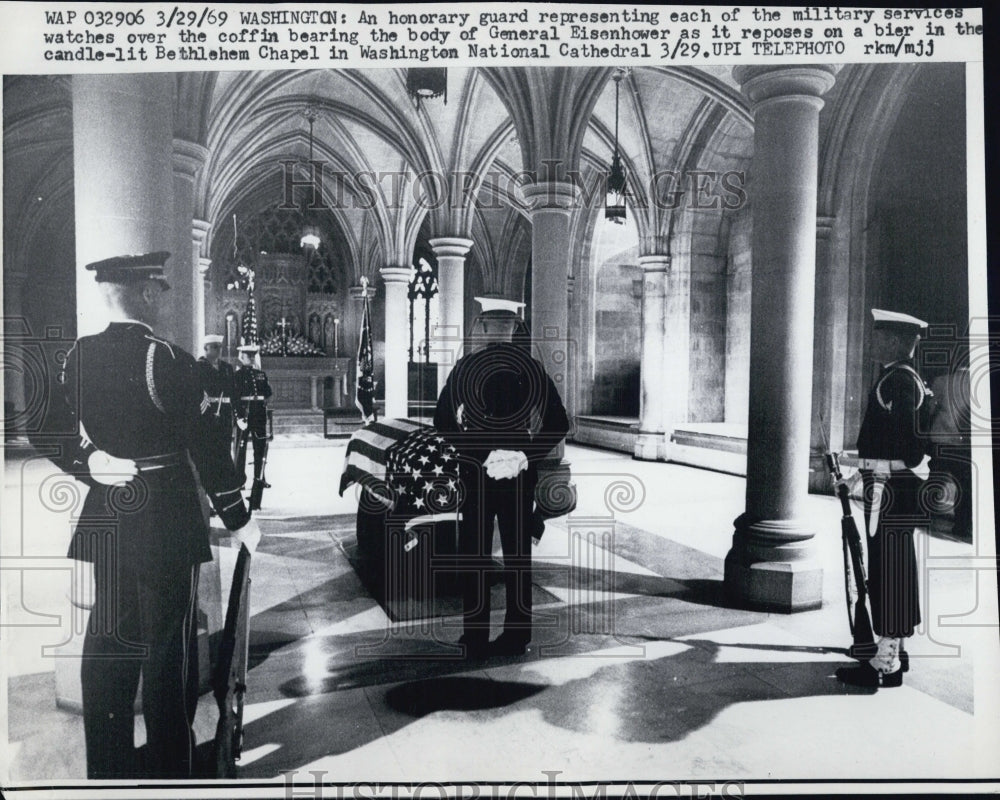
[[365, 396]]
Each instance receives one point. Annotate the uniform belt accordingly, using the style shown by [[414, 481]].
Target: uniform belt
[[149, 463], [216, 400], [254, 397], [881, 464]]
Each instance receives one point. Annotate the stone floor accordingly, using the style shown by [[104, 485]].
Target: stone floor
[[638, 669]]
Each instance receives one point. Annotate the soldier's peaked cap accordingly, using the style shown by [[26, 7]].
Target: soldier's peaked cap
[[897, 322], [211, 338], [499, 306], [131, 269]]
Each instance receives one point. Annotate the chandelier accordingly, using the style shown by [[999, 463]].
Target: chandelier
[[426, 83], [310, 240], [614, 204]]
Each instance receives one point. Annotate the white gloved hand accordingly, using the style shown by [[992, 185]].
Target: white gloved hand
[[109, 470], [241, 423], [503, 464], [923, 469], [249, 535]]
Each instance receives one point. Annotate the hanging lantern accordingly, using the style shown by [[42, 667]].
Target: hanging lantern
[[310, 238], [614, 205], [426, 83]]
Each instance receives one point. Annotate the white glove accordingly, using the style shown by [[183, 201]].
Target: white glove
[[249, 535], [105, 468], [502, 464], [923, 469], [241, 423]]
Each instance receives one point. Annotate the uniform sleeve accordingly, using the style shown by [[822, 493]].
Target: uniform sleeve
[[61, 437], [905, 395], [209, 453], [471, 444], [265, 386], [554, 425]]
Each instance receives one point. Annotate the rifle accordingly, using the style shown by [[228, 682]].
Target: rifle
[[855, 576], [229, 678], [259, 484]]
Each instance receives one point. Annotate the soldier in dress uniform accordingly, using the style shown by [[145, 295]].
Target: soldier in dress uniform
[[252, 391], [128, 423], [503, 414], [218, 382], [892, 446]]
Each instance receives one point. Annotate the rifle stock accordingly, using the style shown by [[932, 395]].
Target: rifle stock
[[229, 677]]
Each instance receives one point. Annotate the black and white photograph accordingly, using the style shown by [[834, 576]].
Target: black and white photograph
[[495, 400]]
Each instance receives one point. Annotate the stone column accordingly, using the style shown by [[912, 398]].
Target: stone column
[[649, 445], [447, 337], [397, 283], [14, 360], [829, 361], [772, 563], [202, 284], [182, 269], [123, 176], [551, 203]]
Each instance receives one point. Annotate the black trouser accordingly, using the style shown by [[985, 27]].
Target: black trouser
[[256, 432], [892, 559], [141, 625], [509, 501]]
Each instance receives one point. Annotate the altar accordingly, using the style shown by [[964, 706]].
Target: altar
[[313, 382]]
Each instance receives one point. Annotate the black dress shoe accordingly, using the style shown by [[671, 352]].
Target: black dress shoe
[[475, 646], [868, 677], [509, 644]]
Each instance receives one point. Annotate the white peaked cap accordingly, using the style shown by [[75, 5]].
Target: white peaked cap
[[500, 304], [212, 338], [897, 321]]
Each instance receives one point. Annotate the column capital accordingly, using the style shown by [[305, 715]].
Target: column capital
[[558, 196], [654, 263], [199, 230], [188, 158], [766, 83], [359, 292], [454, 246], [396, 275], [203, 266]]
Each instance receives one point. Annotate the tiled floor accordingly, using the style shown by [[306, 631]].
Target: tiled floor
[[638, 668]]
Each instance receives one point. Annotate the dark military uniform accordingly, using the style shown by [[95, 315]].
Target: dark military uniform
[[890, 444], [507, 402], [138, 397], [252, 391], [219, 385]]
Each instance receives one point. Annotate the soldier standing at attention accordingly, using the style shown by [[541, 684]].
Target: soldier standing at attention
[[218, 382], [128, 423], [252, 391], [503, 414], [891, 454]]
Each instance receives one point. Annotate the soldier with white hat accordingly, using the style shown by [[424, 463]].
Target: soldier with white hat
[[218, 382], [503, 414], [892, 448]]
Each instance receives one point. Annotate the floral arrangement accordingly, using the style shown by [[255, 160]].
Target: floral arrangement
[[273, 345]]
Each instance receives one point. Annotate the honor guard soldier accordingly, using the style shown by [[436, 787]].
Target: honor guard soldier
[[891, 451], [503, 414], [252, 391], [128, 422], [218, 382]]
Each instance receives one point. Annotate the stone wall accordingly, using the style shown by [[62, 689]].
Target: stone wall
[[618, 335]]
